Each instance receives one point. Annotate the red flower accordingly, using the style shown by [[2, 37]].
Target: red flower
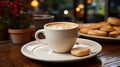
[[12, 11], [12, 7], [3, 5]]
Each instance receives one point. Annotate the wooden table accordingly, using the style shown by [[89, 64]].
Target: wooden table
[[10, 56]]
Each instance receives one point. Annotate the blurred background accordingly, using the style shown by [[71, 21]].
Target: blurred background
[[76, 10]]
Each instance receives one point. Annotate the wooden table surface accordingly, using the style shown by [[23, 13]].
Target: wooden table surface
[[11, 56]]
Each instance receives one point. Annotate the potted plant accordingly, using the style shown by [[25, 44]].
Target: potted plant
[[17, 20]]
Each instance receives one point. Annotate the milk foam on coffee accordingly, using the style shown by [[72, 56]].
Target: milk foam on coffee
[[62, 26]]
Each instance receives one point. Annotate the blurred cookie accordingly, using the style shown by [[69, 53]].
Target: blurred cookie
[[97, 32], [84, 30], [113, 21], [117, 28], [114, 33], [107, 28], [118, 36], [104, 23], [85, 25], [95, 26], [80, 51]]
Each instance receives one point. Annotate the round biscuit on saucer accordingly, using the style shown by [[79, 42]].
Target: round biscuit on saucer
[[80, 51]]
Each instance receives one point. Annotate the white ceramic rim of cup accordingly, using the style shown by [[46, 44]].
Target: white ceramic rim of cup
[[45, 26], [40, 16]]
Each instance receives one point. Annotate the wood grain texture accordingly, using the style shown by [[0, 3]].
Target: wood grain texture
[[10, 56]]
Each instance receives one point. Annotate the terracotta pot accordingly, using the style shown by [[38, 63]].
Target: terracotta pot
[[32, 32], [4, 35], [20, 36], [41, 20]]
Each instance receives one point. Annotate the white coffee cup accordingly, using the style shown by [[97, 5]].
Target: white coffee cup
[[60, 36]]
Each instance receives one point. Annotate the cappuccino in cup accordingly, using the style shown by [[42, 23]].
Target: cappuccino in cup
[[60, 36], [61, 26]]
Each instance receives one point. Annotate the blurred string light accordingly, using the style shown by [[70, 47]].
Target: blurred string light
[[34, 3], [89, 1], [65, 12], [79, 7]]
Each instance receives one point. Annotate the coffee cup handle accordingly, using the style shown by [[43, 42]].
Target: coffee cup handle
[[37, 33]]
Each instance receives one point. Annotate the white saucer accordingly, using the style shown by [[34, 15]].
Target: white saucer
[[38, 50]]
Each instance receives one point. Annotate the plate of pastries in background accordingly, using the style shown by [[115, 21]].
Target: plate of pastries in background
[[104, 31]]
